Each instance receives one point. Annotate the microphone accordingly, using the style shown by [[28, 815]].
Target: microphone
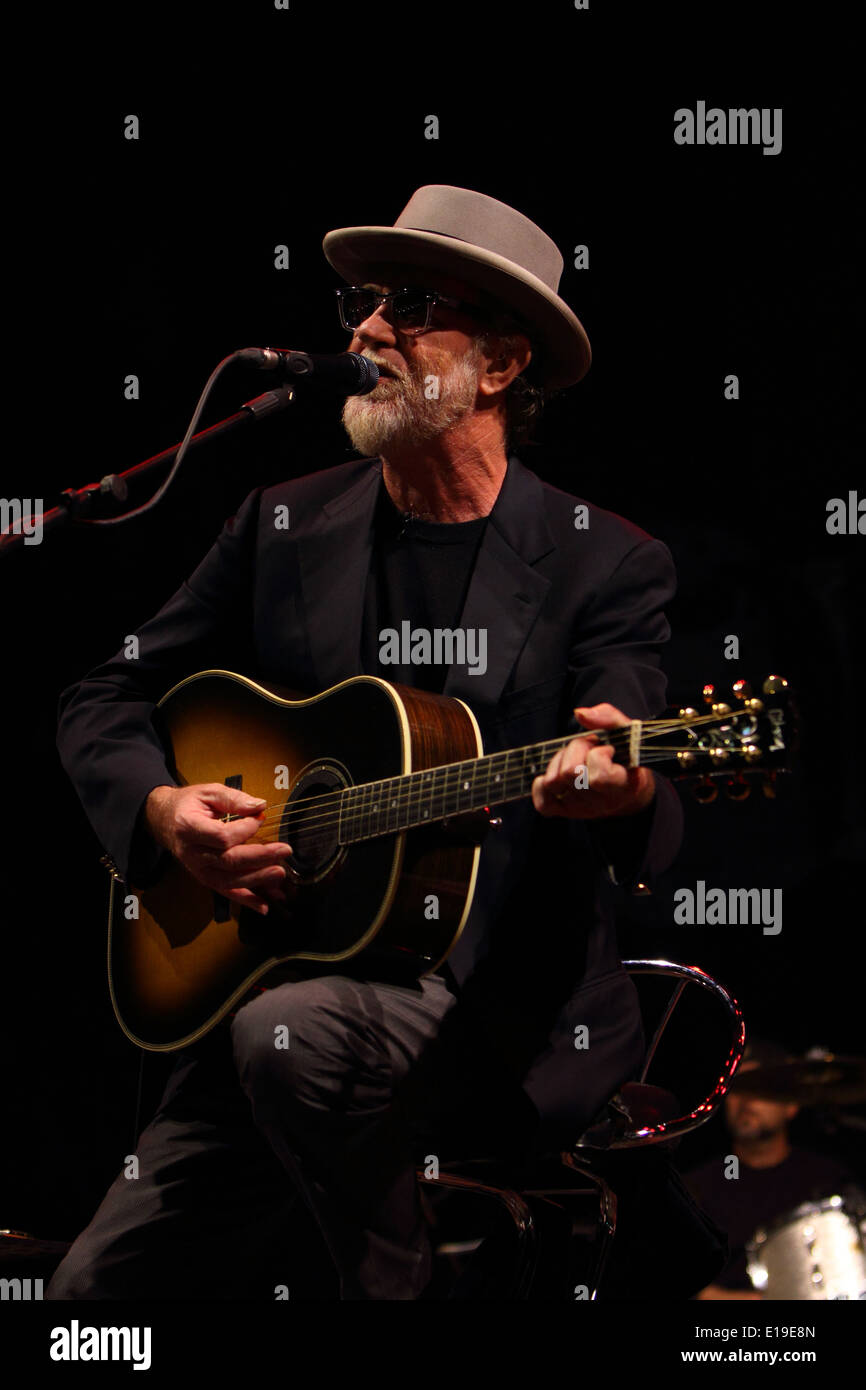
[[347, 373]]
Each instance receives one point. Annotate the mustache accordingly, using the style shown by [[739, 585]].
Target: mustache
[[386, 368]]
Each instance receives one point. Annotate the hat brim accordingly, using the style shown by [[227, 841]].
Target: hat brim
[[355, 252]]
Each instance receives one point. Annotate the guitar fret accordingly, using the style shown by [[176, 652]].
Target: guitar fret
[[440, 800], [357, 816], [448, 777], [504, 772], [391, 797], [485, 771], [366, 802], [530, 767]]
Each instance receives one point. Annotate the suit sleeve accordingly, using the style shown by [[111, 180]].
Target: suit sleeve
[[616, 658], [106, 737]]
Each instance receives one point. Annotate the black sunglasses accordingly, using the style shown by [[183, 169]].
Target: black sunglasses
[[410, 309]]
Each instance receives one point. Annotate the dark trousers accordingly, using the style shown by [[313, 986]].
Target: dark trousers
[[328, 1090]]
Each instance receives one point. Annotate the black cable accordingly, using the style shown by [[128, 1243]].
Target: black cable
[[178, 458]]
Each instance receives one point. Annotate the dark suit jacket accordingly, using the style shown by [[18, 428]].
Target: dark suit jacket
[[574, 617]]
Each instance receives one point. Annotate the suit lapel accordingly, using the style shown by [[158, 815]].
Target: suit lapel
[[506, 591], [334, 562]]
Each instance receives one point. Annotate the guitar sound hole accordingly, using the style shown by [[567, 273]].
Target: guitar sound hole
[[310, 820]]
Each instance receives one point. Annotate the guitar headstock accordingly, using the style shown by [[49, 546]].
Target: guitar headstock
[[733, 741]]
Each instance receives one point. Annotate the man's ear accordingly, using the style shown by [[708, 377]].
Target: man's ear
[[510, 356]]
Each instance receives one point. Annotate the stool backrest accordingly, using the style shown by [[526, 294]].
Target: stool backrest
[[638, 1114]]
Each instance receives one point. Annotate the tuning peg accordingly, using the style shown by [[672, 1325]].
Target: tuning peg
[[741, 689], [721, 709], [709, 694], [688, 713], [705, 791], [774, 685], [737, 789]]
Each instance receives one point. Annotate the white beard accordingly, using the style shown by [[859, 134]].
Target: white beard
[[399, 414]]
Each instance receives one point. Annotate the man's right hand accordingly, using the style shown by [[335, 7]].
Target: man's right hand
[[188, 821]]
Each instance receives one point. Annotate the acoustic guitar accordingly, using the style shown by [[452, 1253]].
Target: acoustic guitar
[[382, 791]]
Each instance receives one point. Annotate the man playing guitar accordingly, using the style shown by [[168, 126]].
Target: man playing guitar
[[438, 523]]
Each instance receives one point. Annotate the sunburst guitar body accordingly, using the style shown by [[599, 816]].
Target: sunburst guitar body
[[181, 957]]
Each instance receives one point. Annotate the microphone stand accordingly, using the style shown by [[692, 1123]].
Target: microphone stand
[[78, 504]]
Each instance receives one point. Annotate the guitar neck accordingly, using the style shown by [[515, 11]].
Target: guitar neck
[[721, 744], [437, 793]]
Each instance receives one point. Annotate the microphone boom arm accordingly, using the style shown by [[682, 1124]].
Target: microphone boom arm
[[76, 504]]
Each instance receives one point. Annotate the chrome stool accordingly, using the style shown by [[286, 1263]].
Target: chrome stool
[[639, 1116]]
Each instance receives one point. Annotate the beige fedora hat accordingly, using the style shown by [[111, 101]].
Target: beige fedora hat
[[468, 236]]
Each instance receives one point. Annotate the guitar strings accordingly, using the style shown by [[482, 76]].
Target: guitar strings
[[329, 800], [325, 818], [318, 811]]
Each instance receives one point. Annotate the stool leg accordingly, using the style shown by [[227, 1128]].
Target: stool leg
[[521, 1217], [606, 1220]]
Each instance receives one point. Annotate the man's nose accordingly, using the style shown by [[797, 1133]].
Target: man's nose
[[376, 328]]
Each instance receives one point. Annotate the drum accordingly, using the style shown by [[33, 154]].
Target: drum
[[816, 1251]]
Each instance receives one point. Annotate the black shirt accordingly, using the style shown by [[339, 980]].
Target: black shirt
[[740, 1205], [419, 574]]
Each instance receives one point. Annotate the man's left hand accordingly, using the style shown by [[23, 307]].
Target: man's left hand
[[612, 790]]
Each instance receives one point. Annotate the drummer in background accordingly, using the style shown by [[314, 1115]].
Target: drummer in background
[[774, 1176]]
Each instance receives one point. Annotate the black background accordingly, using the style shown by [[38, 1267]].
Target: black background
[[155, 257]]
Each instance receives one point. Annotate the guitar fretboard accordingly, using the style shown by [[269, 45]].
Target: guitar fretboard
[[419, 798]]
